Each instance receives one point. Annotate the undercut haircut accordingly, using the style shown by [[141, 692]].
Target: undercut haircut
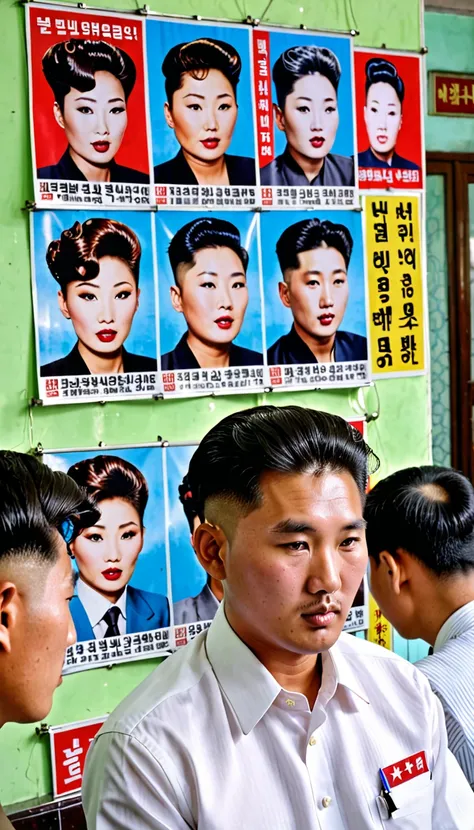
[[233, 456], [299, 62], [381, 71], [35, 502], [192, 509], [111, 477], [308, 235], [204, 233], [72, 64], [426, 511], [197, 58], [75, 256]]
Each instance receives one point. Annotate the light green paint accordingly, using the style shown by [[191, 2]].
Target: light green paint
[[400, 436]]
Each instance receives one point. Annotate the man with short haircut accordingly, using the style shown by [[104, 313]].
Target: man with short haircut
[[421, 544], [314, 259], [272, 719], [40, 512]]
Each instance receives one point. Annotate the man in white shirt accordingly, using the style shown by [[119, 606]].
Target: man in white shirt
[[421, 544], [273, 719]]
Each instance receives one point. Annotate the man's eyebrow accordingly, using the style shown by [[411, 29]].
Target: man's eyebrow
[[305, 98], [294, 526]]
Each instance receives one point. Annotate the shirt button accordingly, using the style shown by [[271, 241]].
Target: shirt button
[[289, 701], [312, 740], [326, 800]]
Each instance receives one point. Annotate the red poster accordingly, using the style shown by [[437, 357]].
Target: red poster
[[69, 746], [451, 94]]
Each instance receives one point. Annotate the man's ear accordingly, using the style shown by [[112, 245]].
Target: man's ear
[[176, 301], [395, 571], [279, 117], [58, 115], [210, 545], [284, 292], [8, 614]]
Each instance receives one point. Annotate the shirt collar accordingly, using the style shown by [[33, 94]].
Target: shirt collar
[[458, 623], [346, 669], [299, 177], [96, 605]]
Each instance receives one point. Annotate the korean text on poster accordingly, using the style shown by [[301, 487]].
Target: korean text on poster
[[69, 744], [304, 119], [88, 109], [396, 301], [389, 119]]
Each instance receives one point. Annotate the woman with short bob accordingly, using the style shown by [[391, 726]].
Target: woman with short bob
[[201, 80], [384, 92], [209, 266], [105, 604], [306, 80], [97, 267], [91, 82]]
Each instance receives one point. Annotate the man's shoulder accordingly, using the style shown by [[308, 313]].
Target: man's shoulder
[[355, 648]]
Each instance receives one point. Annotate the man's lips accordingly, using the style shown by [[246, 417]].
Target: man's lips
[[317, 141], [321, 616], [106, 335], [382, 139], [101, 146], [326, 319], [112, 574], [211, 143], [224, 322]]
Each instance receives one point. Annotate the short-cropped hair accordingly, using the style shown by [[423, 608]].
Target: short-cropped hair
[[35, 502], [72, 64], [381, 71], [205, 232], [300, 61], [76, 255], [233, 456], [197, 58], [426, 511], [191, 507], [111, 477], [308, 235]]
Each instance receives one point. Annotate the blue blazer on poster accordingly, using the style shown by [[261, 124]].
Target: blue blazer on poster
[[145, 612]]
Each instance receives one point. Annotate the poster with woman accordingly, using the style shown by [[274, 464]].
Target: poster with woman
[[201, 114], [315, 299], [389, 119], [94, 300], [88, 108], [121, 604], [304, 114], [211, 334]]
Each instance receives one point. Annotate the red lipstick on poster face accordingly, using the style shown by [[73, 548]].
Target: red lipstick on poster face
[[101, 146], [326, 319], [317, 141], [211, 143], [112, 574], [382, 139], [106, 335], [224, 322]]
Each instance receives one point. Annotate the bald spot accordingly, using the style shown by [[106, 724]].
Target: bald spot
[[225, 512], [29, 571], [434, 492]]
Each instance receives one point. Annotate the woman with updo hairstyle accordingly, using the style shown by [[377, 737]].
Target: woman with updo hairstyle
[[105, 604], [96, 265], [201, 80], [91, 81], [384, 94]]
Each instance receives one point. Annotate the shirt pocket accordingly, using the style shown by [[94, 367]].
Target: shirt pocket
[[414, 808]]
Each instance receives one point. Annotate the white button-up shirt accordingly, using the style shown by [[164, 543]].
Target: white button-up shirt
[[211, 741], [96, 606]]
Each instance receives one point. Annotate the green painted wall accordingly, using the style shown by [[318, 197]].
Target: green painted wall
[[401, 435]]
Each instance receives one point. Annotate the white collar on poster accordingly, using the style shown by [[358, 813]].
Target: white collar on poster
[[96, 605]]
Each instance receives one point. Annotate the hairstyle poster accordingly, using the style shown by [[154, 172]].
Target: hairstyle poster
[[201, 114], [304, 110], [389, 119], [88, 108], [94, 300], [211, 337], [315, 299]]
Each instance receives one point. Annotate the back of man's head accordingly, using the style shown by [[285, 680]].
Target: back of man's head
[[427, 512]]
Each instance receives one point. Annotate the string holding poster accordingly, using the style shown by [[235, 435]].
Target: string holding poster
[[396, 291]]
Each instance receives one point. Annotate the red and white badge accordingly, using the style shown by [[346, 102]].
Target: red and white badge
[[406, 769]]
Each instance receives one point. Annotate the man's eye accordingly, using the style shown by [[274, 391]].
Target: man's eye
[[129, 534], [312, 283], [297, 547], [351, 542], [224, 107], [207, 285], [239, 285], [94, 537]]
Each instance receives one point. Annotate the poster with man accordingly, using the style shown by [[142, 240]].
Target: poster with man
[[199, 77], [315, 299], [304, 114], [89, 120], [211, 337], [94, 300], [389, 119]]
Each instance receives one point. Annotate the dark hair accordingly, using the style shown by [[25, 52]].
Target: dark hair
[[308, 235], [76, 255], [190, 504], [380, 71], [427, 511], [234, 454], [204, 233], [111, 477], [74, 63], [300, 61], [34, 503], [196, 58]]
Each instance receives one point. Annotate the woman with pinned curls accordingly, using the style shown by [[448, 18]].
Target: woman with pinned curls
[[97, 267], [201, 80], [91, 82]]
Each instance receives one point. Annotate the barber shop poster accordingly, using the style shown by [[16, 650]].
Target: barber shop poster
[[89, 121], [389, 119], [304, 112], [315, 299], [94, 301]]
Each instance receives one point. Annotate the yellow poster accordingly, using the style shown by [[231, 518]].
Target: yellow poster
[[380, 630], [395, 268]]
